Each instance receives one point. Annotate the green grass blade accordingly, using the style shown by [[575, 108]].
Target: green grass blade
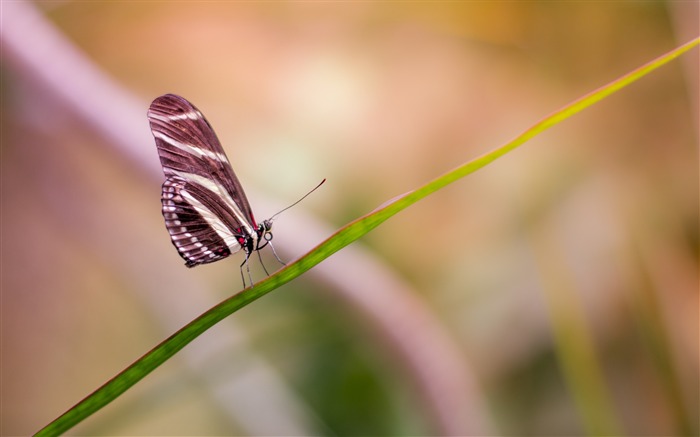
[[346, 235], [573, 336]]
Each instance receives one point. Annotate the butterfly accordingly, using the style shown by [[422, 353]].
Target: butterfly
[[206, 211]]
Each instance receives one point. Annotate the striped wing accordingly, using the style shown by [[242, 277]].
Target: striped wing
[[206, 211]]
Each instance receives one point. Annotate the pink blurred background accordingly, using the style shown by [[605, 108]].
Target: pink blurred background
[[553, 292]]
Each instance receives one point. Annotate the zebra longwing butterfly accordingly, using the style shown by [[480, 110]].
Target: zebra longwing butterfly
[[206, 211]]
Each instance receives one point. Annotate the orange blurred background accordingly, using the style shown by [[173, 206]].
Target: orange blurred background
[[561, 280]]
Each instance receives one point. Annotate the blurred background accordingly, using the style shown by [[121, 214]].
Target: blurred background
[[554, 292]]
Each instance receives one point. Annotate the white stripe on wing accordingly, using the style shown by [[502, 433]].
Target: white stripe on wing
[[193, 150], [213, 221], [220, 192]]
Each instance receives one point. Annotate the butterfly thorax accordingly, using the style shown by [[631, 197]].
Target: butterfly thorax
[[251, 242]]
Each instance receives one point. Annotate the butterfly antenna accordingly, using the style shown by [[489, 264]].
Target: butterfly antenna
[[303, 197]]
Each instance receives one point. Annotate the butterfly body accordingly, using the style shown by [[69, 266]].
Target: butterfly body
[[206, 211]]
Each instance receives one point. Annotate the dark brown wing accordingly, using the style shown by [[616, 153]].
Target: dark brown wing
[[191, 229], [206, 211], [187, 144]]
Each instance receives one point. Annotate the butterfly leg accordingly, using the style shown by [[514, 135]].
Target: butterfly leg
[[247, 268], [275, 253], [262, 263], [242, 276]]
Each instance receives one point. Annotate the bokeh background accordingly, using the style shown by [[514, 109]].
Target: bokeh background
[[554, 292]]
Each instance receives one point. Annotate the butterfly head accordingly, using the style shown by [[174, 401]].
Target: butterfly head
[[264, 233]]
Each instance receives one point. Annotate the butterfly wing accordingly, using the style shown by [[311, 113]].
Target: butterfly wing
[[205, 208]]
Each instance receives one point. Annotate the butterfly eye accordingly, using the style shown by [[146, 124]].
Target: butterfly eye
[[267, 226], [268, 235]]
